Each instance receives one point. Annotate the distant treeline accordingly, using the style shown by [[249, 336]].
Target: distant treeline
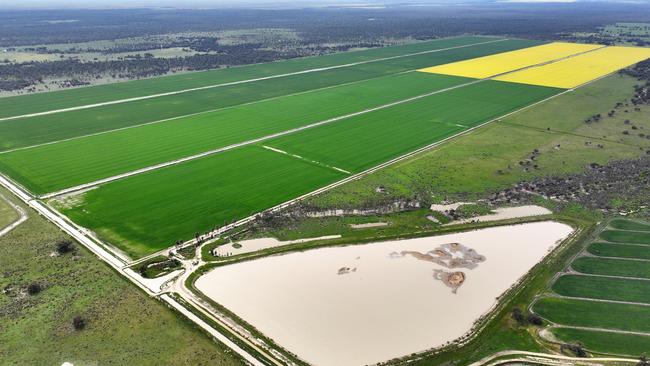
[[320, 31], [319, 25]]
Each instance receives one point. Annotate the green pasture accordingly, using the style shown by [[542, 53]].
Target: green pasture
[[604, 288], [56, 166], [151, 211], [629, 225], [628, 237], [612, 267], [19, 105], [585, 313], [605, 342], [620, 250]]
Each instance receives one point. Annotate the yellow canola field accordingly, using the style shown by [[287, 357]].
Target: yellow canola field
[[484, 67], [575, 71]]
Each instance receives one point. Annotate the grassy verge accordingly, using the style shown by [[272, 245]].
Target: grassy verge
[[122, 325]]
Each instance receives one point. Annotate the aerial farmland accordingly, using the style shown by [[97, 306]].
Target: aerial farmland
[[427, 202]]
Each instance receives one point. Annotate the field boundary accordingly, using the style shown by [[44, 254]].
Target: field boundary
[[250, 142], [294, 130], [126, 100]]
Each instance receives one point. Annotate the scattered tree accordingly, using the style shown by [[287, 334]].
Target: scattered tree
[[64, 247]]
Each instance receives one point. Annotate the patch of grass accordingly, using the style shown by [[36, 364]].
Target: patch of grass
[[619, 250], [605, 342], [188, 252], [149, 212], [612, 267], [122, 325], [8, 214], [584, 313], [158, 266], [606, 288], [629, 237], [629, 225]]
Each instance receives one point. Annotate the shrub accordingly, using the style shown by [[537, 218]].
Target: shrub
[[34, 288], [78, 322], [64, 246], [535, 319]]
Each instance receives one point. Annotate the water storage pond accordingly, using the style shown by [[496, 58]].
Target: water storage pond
[[362, 304]]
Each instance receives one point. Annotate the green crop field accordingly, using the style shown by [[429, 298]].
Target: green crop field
[[629, 225], [56, 166], [584, 313], [620, 250], [151, 211], [613, 297], [605, 288], [628, 237], [605, 342], [364, 141], [612, 267], [53, 127]]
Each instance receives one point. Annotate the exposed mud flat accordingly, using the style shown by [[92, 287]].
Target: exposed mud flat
[[360, 304], [506, 213]]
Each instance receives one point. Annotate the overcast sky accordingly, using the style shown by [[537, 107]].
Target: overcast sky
[[171, 3], [215, 3], [102, 4]]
